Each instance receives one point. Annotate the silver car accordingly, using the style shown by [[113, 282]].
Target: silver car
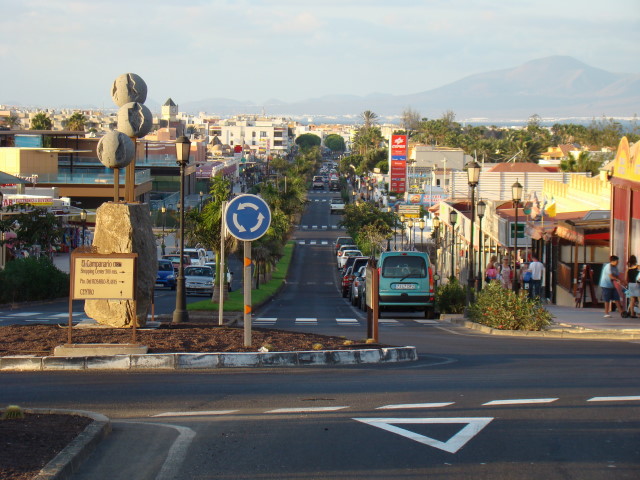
[[198, 280]]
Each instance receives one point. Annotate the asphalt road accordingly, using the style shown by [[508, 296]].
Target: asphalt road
[[473, 406]]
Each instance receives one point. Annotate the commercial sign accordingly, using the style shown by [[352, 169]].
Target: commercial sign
[[399, 147], [425, 198]]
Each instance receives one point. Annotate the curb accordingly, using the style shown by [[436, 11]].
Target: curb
[[66, 463], [559, 330], [208, 361]]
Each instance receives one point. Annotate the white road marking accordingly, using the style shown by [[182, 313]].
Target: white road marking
[[305, 226], [415, 405], [427, 322], [301, 242], [614, 399], [520, 401], [306, 409], [203, 413], [347, 321], [324, 242], [314, 227], [312, 242], [307, 320], [25, 314], [328, 283], [265, 321], [455, 443], [176, 454]]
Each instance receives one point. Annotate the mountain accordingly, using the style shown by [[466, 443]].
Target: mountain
[[557, 86]]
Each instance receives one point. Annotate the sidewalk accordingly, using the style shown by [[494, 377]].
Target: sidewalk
[[593, 319]]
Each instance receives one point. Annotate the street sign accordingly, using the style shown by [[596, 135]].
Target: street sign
[[95, 276], [248, 217]]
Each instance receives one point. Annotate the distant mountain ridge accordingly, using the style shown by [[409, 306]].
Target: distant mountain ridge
[[557, 86]]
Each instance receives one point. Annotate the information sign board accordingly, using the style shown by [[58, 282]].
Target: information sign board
[[103, 276]]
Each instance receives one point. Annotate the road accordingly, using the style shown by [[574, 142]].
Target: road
[[473, 406]]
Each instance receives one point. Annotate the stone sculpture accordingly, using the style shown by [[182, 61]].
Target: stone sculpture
[[115, 150], [128, 88], [134, 120]]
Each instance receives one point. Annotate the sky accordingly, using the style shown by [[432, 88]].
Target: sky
[[68, 52]]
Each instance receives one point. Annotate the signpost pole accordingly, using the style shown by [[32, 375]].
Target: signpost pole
[[247, 294]]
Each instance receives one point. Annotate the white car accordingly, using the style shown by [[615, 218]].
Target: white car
[[198, 280], [229, 273], [346, 254]]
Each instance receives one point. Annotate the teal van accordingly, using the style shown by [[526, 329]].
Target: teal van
[[406, 280]]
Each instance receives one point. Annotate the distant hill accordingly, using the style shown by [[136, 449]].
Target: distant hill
[[557, 86]]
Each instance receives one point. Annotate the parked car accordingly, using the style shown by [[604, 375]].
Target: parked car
[[345, 255], [357, 262], [347, 278], [357, 286], [341, 251], [340, 241], [198, 280], [166, 276], [175, 260], [406, 280]]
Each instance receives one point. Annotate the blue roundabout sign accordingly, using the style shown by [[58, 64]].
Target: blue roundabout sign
[[247, 217]]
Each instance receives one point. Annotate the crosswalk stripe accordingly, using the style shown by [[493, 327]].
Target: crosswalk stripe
[[345, 321], [324, 242], [307, 321], [426, 322]]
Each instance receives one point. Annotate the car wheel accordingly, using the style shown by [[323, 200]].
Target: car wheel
[[430, 313]]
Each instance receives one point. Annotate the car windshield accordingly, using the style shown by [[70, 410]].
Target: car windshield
[[165, 266], [403, 267], [198, 272]]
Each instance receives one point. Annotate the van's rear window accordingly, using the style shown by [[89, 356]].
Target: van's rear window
[[401, 266]]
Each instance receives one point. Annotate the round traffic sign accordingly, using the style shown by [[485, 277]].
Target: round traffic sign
[[247, 217]]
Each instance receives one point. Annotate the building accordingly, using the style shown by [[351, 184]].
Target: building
[[263, 135]]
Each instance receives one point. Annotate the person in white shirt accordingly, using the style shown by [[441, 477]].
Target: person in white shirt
[[537, 272]]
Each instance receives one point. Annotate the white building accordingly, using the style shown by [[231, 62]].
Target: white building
[[263, 135]]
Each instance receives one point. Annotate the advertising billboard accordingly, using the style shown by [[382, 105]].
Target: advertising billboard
[[398, 170]]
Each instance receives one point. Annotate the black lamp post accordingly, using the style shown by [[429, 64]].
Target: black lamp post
[[473, 176], [388, 238], [164, 221], [201, 195], [421, 224], [83, 218], [180, 314], [402, 232], [453, 218], [435, 235], [481, 209], [516, 195], [410, 225]]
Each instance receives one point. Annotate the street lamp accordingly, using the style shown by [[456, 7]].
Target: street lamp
[[473, 176], [163, 209], [201, 195], [389, 238], [481, 209], [516, 195], [453, 218], [402, 219], [180, 314], [410, 225], [83, 218], [435, 235], [421, 224]]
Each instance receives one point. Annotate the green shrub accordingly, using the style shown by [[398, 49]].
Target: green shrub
[[451, 297], [503, 309], [29, 279], [12, 412]]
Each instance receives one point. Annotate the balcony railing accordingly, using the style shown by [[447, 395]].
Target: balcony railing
[[90, 178]]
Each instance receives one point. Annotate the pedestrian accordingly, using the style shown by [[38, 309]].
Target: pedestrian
[[537, 271], [491, 272], [633, 285], [608, 280], [506, 274]]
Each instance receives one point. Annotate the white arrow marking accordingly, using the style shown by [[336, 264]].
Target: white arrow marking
[[257, 226], [237, 224], [242, 206], [455, 443]]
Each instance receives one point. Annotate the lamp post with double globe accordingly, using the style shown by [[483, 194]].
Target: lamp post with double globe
[[453, 218], [516, 196], [180, 314], [473, 176]]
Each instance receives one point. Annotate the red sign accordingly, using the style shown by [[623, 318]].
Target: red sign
[[399, 147], [398, 176]]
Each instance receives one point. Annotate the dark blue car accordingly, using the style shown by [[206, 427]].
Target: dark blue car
[[166, 277]]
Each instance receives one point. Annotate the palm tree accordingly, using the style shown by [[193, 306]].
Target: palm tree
[[76, 122], [369, 118], [41, 121]]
